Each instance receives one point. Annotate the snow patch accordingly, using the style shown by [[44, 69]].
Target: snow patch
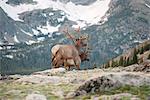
[[137, 41], [51, 14], [1, 48], [35, 32], [82, 24], [52, 29], [15, 39], [61, 19], [44, 15], [9, 56], [26, 33], [90, 14], [41, 38], [147, 5], [48, 29], [30, 42], [104, 19], [58, 33], [9, 47], [117, 51]]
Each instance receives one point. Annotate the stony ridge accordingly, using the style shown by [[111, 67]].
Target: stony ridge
[[75, 84]]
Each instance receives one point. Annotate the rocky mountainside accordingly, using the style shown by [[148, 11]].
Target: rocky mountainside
[[135, 55], [32, 27], [117, 82], [127, 25], [113, 83], [13, 31]]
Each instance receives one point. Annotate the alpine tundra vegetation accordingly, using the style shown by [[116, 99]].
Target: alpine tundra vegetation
[[109, 38]]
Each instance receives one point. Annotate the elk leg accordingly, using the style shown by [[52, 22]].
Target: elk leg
[[53, 63], [65, 64], [78, 67], [68, 68]]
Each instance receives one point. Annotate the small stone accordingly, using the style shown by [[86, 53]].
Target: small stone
[[14, 92], [71, 95], [35, 97]]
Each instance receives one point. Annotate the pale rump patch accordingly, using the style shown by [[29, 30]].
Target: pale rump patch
[[55, 49]]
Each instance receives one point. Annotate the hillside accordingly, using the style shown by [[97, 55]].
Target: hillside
[[129, 82], [29, 28], [92, 84], [136, 55], [119, 43]]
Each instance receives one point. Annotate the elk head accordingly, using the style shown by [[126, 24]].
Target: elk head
[[80, 42]]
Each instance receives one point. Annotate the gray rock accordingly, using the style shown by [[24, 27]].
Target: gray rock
[[119, 97], [10, 28], [110, 39], [111, 81], [143, 67], [35, 97], [40, 79], [18, 2], [15, 77], [71, 95], [97, 84], [78, 2], [15, 92], [51, 72]]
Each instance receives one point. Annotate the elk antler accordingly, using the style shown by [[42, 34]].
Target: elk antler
[[69, 35], [77, 30]]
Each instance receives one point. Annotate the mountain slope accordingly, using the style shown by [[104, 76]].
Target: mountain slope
[[13, 31], [127, 26], [119, 26], [77, 85], [135, 57]]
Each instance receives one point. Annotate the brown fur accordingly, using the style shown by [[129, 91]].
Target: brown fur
[[66, 53], [69, 55]]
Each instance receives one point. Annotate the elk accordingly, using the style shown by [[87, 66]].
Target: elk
[[69, 55]]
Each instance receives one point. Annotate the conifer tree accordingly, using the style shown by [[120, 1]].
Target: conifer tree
[[116, 63], [112, 63], [124, 62], [128, 62], [142, 50], [107, 65], [121, 61], [135, 58]]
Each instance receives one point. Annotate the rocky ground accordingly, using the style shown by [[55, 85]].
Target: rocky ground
[[121, 83]]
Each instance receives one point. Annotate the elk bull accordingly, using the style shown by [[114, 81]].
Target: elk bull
[[69, 55]]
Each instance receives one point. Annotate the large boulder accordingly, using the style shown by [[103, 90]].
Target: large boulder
[[143, 67], [111, 81], [51, 72]]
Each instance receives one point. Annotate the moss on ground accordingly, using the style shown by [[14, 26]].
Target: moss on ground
[[17, 91], [6, 90], [142, 92]]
